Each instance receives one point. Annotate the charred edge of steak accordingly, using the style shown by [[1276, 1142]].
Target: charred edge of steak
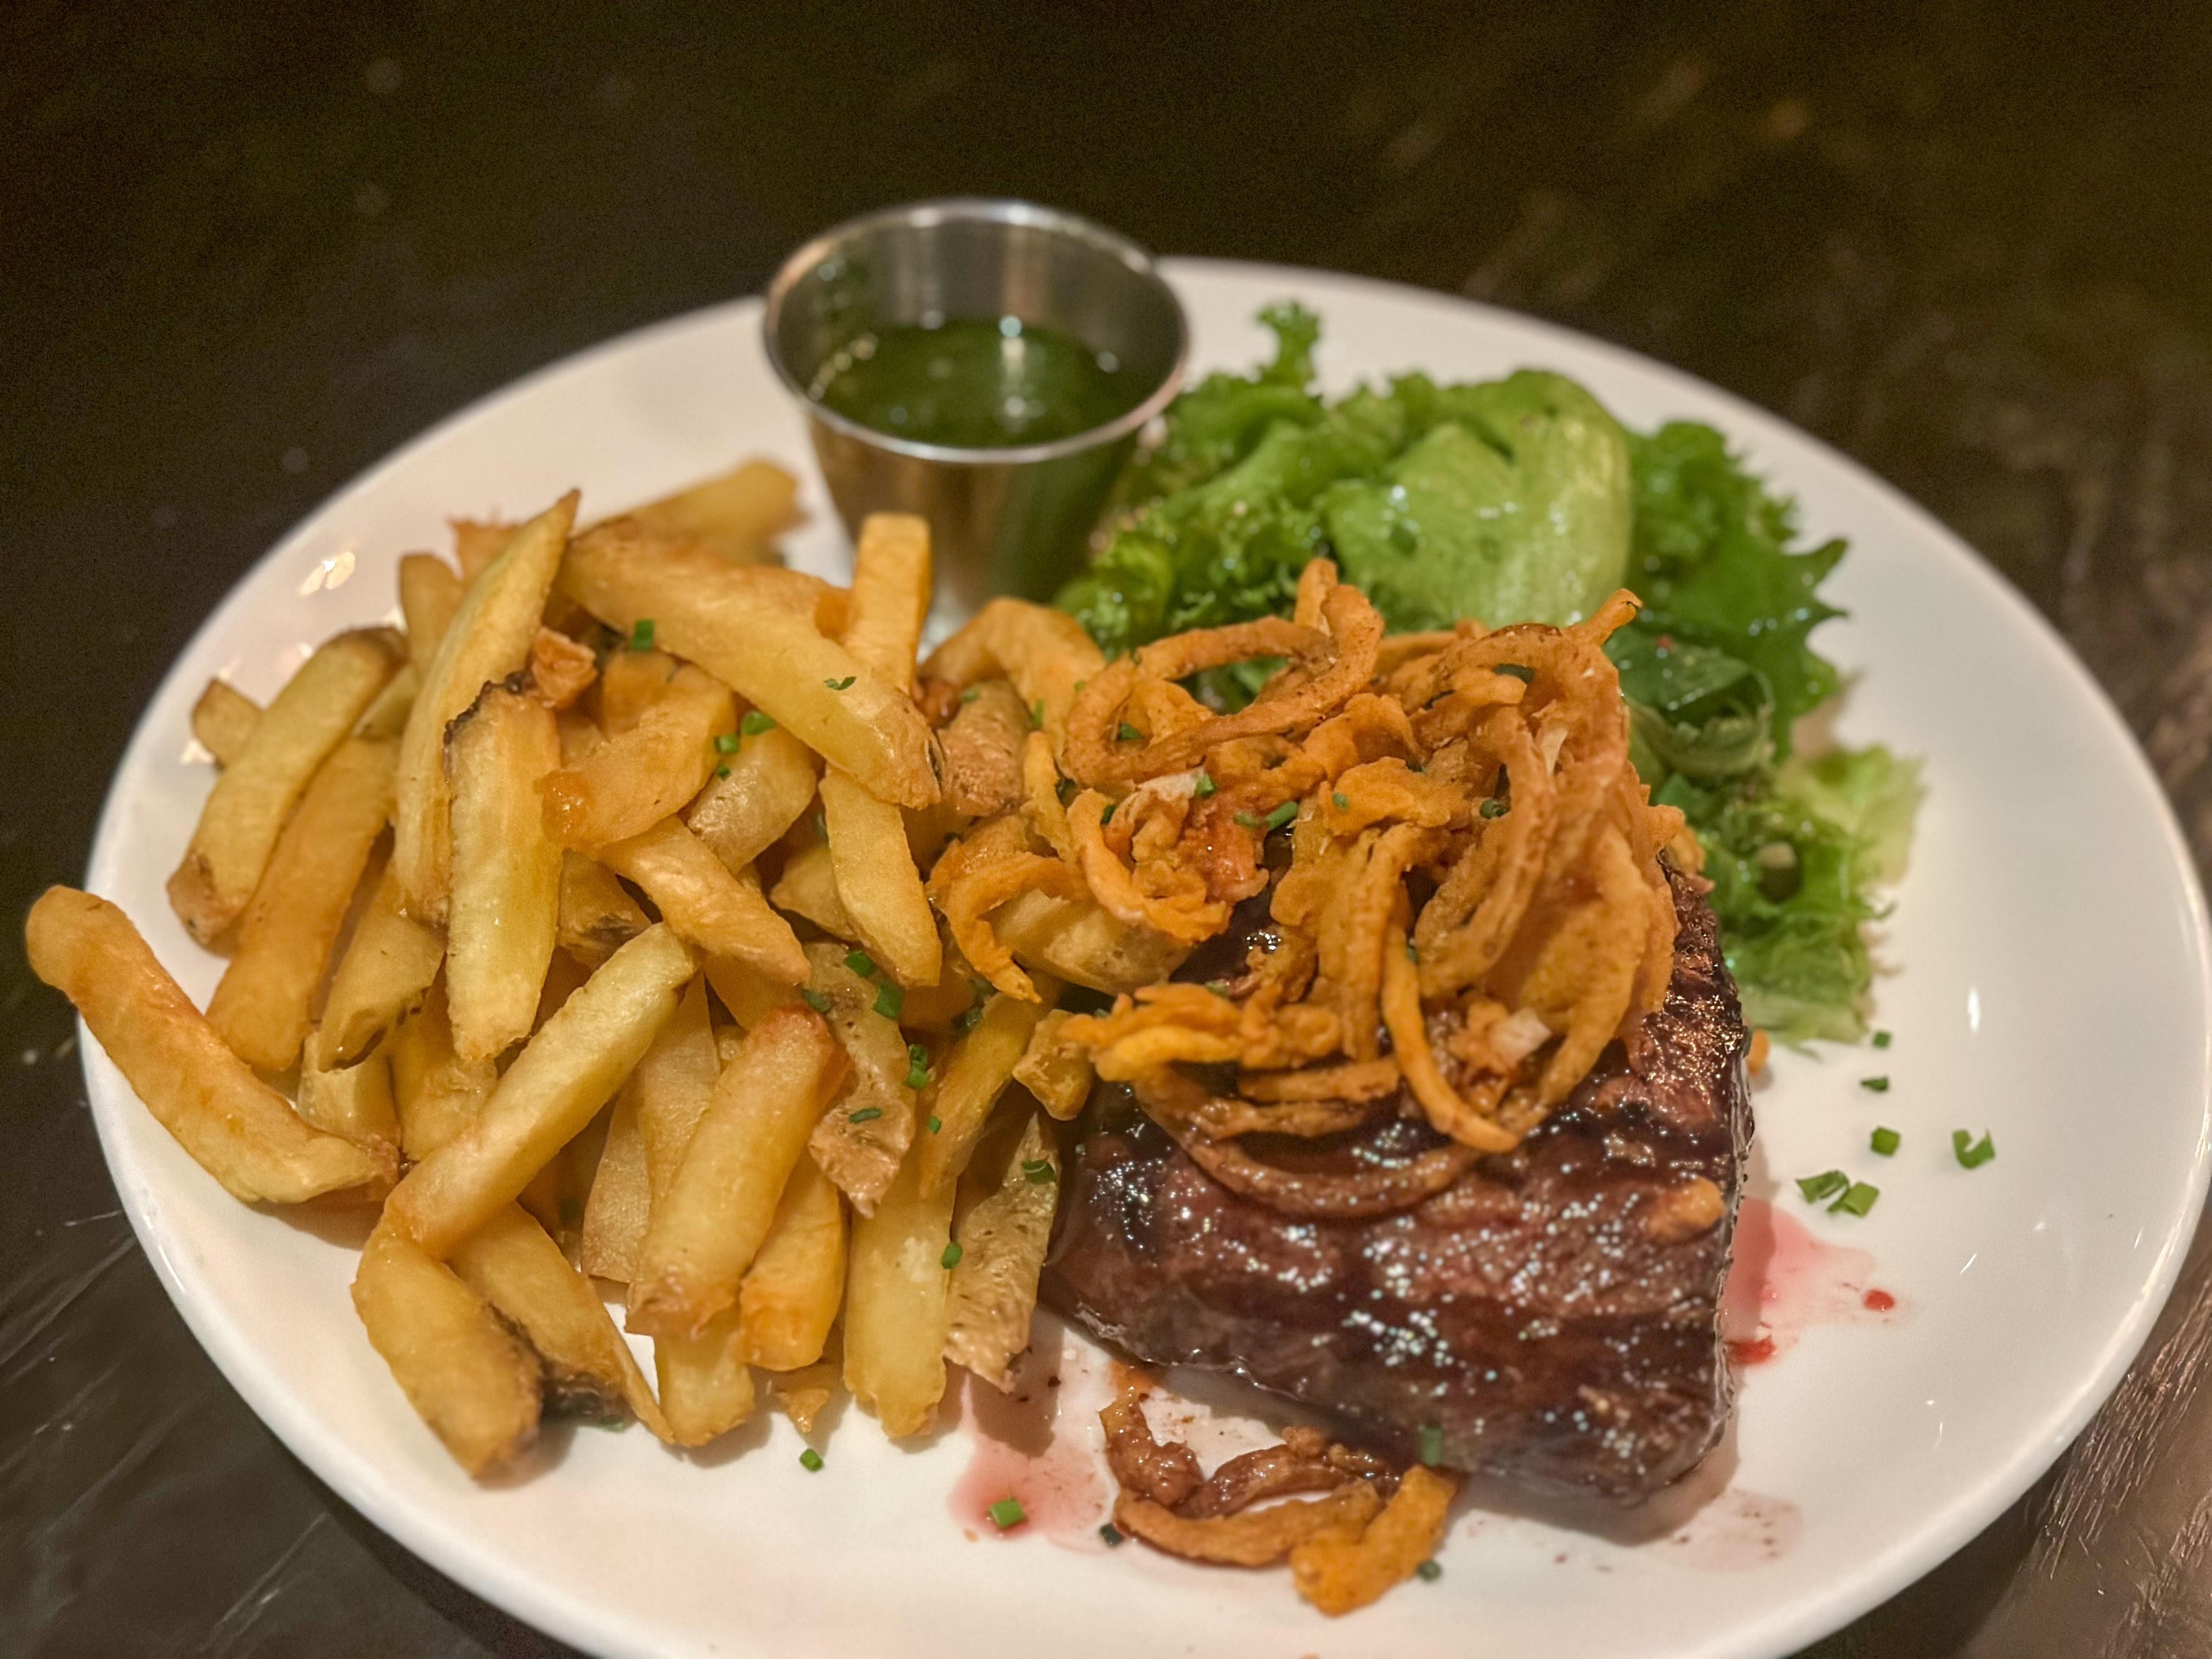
[[1545, 1314]]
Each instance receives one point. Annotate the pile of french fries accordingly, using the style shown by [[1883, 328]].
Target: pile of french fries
[[576, 929]]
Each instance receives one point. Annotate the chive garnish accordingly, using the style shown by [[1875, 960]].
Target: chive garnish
[[866, 1115], [845, 684], [1429, 1572], [1106, 816], [1885, 1142], [971, 694], [1036, 714], [1493, 808], [810, 1460], [965, 1020], [1432, 1444], [1971, 1153], [861, 963], [725, 743], [1412, 951], [890, 998], [936, 1124], [816, 1000], [1857, 1200], [917, 1065], [1203, 785], [721, 772], [951, 1258], [1008, 1512], [641, 634], [1882, 1039], [1126, 732], [1245, 821], [1038, 1171], [755, 723], [1282, 815], [1879, 1084], [1111, 1534], [1826, 1184], [1219, 986], [1343, 801]]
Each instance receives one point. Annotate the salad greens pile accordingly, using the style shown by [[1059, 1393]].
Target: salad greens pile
[[1524, 500]]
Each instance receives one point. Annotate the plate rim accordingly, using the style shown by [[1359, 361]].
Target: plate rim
[[445, 1542]]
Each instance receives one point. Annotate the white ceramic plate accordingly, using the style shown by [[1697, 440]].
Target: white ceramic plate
[[2050, 984]]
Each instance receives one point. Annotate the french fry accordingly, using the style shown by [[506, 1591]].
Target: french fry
[[236, 1128], [672, 1089], [505, 870], [707, 610], [788, 1298], [723, 914], [737, 514], [386, 969], [803, 1395], [748, 994], [877, 881], [770, 784], [645, 770], [808, 887], [430, 595], [386, 717], [353, 1101], [513, 1264], [631, 681], [489, 639], [253, 796], [478, 542], [560, 669], [222, 720], [706, 1387], [435, 1095], [1002, 1237], [862, 1137], [707, 1225], [970, 1077], [890, 595], [897, 1291], [466, 1376], [1057, 1072], [597, 915], [621, 1199], [263, 1004], [1042, 649], [1078, 940], [553, 1088]]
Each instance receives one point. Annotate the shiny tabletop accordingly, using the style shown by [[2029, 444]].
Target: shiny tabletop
[[244, 255]]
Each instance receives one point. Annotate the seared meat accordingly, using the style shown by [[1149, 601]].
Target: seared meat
[[1552, 1316]]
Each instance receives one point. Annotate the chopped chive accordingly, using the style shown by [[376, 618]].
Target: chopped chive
[[952, 1256], [971, 694], [1245, 821], [917, 1066], [1826, 1184], [845, 684], [1493, 808], [1106, 816], [816, 1000], [1412, 951], [866, 1115], [936, 1124], [755, 723], [1126, 732], [1203, 785], [725, 743], [1879, 1084], [1008, 1512], [1885, 1142], [1219, 986], [1432, 1444], [861, 963], [1282, 815], [1971, 1153], [1857, 1200], [1038, 1171], [1882, 1039], [890, 998], [721, 772], [810, 1460], [1429, 1572], [1111, 1534], [1343, 801], [1036, 714], [641, 634], [965, 1020]]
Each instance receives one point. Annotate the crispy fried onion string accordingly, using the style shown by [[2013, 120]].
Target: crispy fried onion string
[[980, 872]]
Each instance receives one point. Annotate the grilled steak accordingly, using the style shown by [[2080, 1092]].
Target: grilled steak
[[1553, 1314]]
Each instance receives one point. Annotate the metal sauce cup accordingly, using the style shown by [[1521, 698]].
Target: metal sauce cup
[[1011, 520]]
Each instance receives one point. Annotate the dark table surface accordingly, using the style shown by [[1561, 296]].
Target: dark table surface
[[245, 250]]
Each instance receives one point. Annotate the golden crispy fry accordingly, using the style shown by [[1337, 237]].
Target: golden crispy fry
[[222, 720], [262, 1005], [1043, 651], [646, 769], [890, 595], [1076, 940], [803, 1395], [253, 796], [353, 1100], [898, 1293], [1002, 1237], [672, 1087], [1339, 1574], [387, 966], [465, 1373], [621, 1200], [706, 1387], [977, 875], [705, 609], [430, 595], [748, 994], [631, 681], [513, 1264], [505, 872], [877, 881], [560, 669], [1057, 1071], [808, 887], [597, 915], [435, 1095], [708, 1224], [489, 639], [723, 914], [970, 1077], [385, 720], [236, 1128], [1256, 1538], [986, 743], [864, 1135], [553, 1089], [788, 1299], [477, 542], [770, 785], [737, 514]]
